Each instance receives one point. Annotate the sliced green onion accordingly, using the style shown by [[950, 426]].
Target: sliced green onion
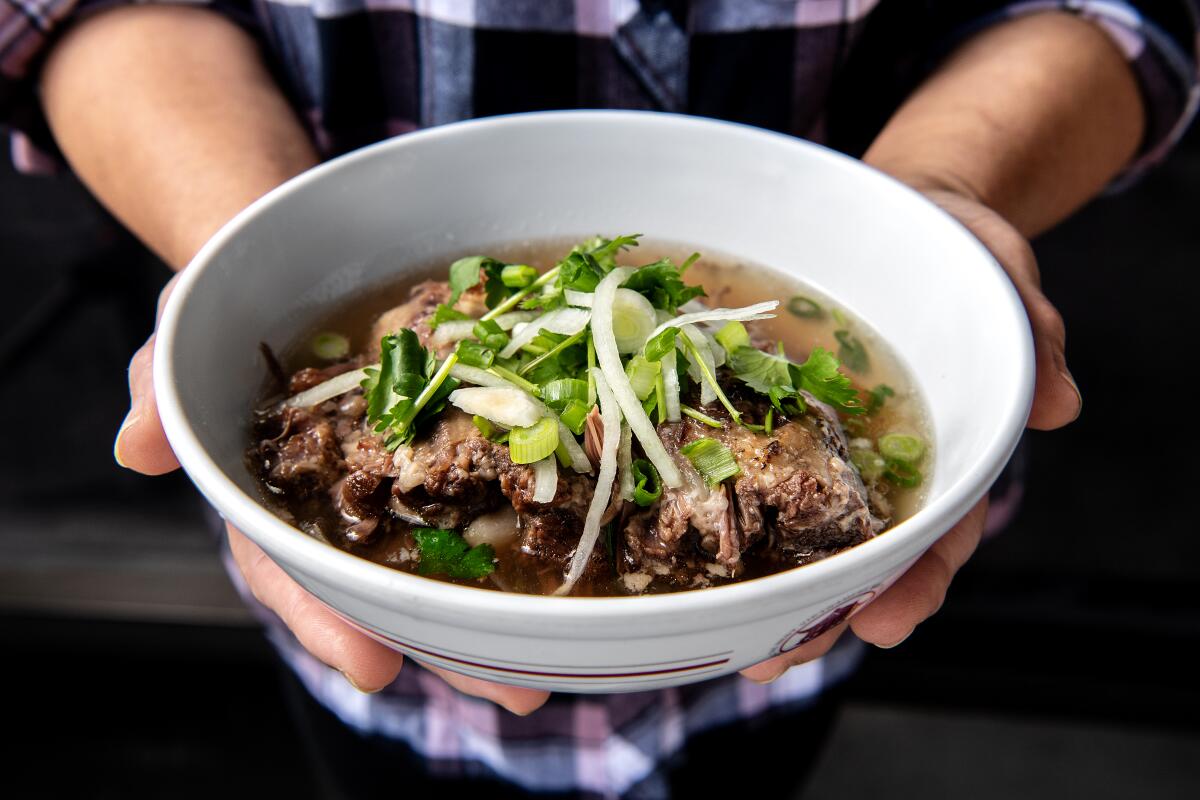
[[839, 317], [474, 354], [642, 375], [700, 416], [661, 344], [527, 445], [648, 405], [518, 276], [692, 259], [633, 319], [711, 459], [870, 464], [330, 346], [769, 422], [903, 475], [490, 334], [646, 488], [732, 336], [660, 397], [852, 353], [901, 447], [558, 393], [804, 307], [574, 416]]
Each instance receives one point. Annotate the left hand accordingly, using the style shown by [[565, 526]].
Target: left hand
[[919, 593]]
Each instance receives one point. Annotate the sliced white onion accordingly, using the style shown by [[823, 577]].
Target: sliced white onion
[[714, 347], [614, 372], [745, 314], [670, 375], [508, 321], [337, 385], [633, 319], [566, 321], [610, 413], [707, 393], [452, 331], [545, 479], [578, 299], [497, 528], [504, 405], [625, 462], [480, 377]]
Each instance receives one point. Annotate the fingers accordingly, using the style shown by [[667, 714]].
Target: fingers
[[141, 444], [773, 668], [516, 699], [367, 664], [919, 593]]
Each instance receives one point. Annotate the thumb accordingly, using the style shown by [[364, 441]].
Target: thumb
[[141, 443]]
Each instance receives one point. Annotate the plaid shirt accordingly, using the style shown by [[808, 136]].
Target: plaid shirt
[[829, 70]]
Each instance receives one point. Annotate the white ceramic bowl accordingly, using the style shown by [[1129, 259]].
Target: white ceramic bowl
[[882, 251]]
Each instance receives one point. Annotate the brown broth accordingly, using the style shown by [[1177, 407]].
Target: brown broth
[[725, 281]]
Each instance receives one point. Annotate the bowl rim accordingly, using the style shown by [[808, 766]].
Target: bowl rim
[[380, 584]]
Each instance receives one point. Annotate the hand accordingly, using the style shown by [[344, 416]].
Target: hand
[[920, 592], [142, 446]]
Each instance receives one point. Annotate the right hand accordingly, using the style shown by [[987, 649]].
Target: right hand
[[369, 666]]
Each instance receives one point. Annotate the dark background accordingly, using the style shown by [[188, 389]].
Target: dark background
[[1061, 664]]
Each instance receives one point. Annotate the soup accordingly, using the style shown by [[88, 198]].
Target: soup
[[556, 424]]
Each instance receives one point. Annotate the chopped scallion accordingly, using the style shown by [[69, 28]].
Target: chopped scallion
[[642, 375], [574, 416], [902, 447], [518, 276], [558, 393], [699, 416], [712, 460], [852, 353], [330, 346], [732, 336], [804, 307], [647, 487], [490, 334], [527, 445]]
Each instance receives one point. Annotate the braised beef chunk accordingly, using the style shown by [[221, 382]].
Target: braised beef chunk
[[797, 497], [797, 493]]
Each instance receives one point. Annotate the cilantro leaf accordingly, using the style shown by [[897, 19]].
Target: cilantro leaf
[[761, 371], [392, 389], [878, 396], [445, 552], [662, 285], [464, 274], [819, 376], [604, 251], [580, 271]]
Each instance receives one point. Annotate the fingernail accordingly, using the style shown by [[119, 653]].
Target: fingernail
[[896, 643], [357, 688], [130, 420], [1070, 379], [773, 678]]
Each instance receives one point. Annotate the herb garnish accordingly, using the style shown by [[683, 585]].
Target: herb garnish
[[406, 389], [445, 552], [781, 380]]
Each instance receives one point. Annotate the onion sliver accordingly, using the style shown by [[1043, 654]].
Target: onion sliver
[[337, 385], [614, 373], [610, 413], [579, 299], [508, 321], [503, 405], [745, 314], [707, 394], [481, 377], [545, 479], [670, 375], [452, 331], [625, 462], [567, 321]]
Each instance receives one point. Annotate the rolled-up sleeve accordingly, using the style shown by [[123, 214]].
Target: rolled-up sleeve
[[1159, 40], [27, 30]]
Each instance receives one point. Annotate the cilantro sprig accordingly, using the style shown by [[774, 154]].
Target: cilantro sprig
[[445, 552], [406, 389], [782, 380]]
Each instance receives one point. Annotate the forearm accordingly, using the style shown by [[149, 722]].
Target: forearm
[[171, 119], [1031, 117]]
